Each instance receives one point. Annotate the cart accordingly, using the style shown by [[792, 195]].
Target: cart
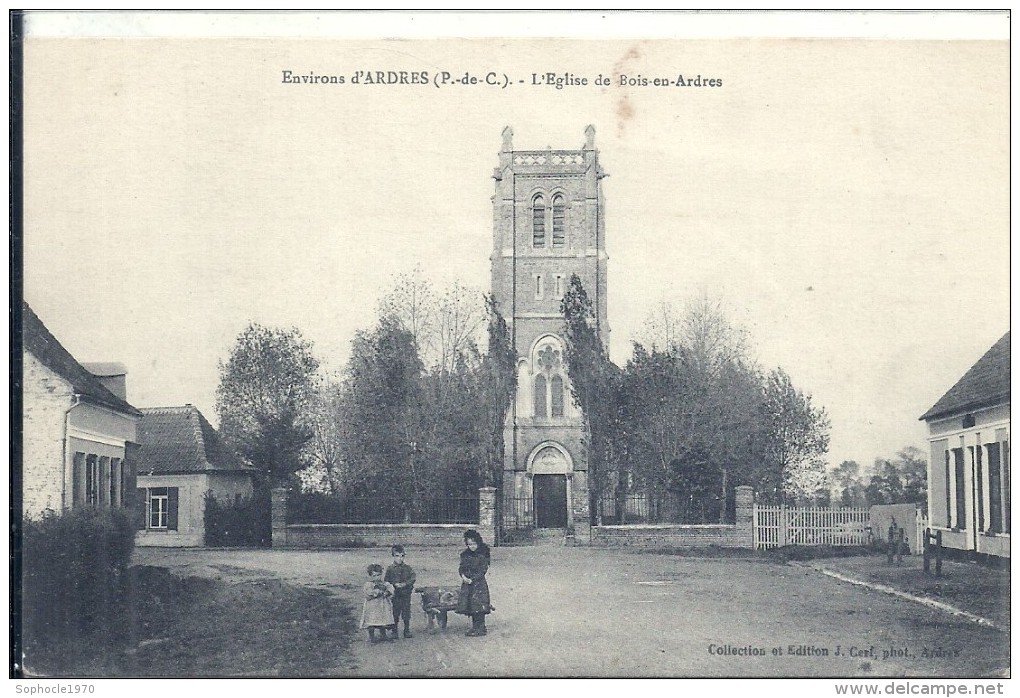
[[437, 602]]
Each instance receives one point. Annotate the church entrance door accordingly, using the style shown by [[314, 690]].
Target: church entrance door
[[550, 501]]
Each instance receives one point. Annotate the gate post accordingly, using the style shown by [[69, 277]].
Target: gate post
[[744, 519], [487, 513], [279, 517], [782, 529]]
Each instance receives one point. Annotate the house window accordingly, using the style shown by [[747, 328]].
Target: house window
[[556, 388], [161, 508], [960, 491], [949, 490], [540, 396], [975, 453], [559, 209], [539, 288], [538, 221]]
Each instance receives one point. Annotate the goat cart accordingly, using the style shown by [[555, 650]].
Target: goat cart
[[437, 602]]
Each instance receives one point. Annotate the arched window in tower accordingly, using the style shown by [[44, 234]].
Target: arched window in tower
[[538, 221], [540, 396], [556, 390], [559, 214]]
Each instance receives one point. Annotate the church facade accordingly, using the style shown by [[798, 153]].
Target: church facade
[[548, 224]]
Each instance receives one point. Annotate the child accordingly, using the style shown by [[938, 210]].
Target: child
[[474, 590], [401, 576], [377, 612]]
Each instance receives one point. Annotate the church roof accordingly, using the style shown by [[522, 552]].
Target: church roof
[[38, 340], [181, 440], [984, 385]]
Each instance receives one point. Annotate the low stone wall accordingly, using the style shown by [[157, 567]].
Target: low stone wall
[[287, 535], [671, 536], [364, 535]]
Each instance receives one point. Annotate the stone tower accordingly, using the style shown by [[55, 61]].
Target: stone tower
[[548, 224]]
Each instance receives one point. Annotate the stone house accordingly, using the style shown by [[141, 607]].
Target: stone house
[[968, 470], [79, 433], [182, 459]]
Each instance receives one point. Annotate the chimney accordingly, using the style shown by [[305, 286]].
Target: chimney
[[112, 375]]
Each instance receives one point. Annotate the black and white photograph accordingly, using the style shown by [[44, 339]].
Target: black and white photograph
[[512, 345]]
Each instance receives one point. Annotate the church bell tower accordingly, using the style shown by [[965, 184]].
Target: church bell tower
[[548, 224]]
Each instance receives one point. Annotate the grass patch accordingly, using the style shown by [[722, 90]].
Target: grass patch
[[201, 627], [980, 590], [708, 551], [800, 553]]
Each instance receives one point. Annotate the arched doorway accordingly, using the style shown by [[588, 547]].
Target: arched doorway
[[550, 468]]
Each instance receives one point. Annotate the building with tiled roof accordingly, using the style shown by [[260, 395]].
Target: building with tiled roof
[[969, 471], [182, 460], [79, 437]]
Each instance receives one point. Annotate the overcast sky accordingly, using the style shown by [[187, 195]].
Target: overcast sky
[[848, 201]]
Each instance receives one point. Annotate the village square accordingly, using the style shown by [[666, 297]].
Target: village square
[[306, 387], [654, 572]]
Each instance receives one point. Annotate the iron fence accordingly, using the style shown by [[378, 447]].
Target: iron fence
[[518, 513], [645, 508], [326, 509]]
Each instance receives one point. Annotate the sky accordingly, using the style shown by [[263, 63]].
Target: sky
[[847, 201]]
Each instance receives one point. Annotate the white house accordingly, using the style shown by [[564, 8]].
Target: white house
[[182, 458], [79, 434], [968, 471]]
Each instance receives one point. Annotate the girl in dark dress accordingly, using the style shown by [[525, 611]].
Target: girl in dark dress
[[474, 590]]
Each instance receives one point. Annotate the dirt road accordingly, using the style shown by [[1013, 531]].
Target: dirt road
[[584, 612]]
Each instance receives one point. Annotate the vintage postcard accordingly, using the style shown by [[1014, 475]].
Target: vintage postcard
[[514, 345]]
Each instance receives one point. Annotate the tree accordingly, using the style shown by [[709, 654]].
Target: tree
[[499, 370], [792, 439], [696, 390], [901, 480], [384, 397], [847, 480], [589, 371], [325, 451], [443, 324], [263, 395]]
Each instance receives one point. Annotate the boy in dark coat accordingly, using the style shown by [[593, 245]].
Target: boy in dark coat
[[401, 576], [474, 590]]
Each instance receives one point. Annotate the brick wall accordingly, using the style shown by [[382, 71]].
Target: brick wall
[[46, 398], [381, 535]]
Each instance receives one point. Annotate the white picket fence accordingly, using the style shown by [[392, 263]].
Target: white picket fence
[[776, 526]]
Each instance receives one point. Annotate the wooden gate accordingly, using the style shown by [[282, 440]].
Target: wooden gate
[[776, 526]]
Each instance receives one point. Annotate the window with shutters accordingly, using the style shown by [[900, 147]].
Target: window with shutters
[[161, 508], [538, 221]]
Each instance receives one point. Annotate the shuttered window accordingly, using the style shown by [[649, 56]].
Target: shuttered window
[[161, 509]]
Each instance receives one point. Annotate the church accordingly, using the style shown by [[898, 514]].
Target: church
[[548, 224]]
